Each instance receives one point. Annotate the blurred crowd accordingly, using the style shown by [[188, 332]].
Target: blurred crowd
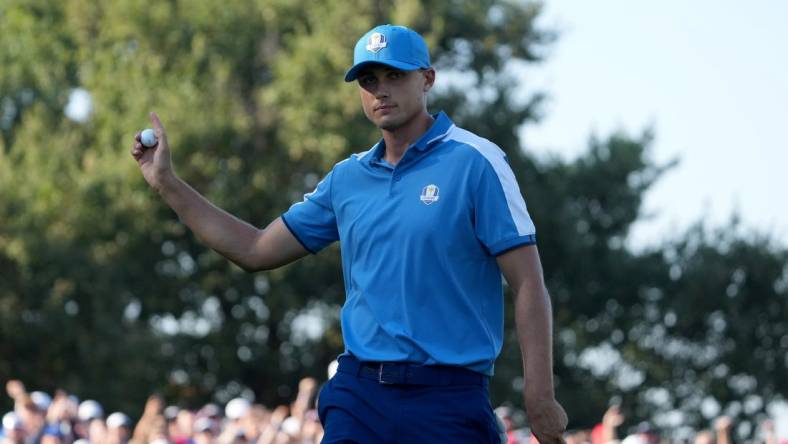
[[607, 431], [38, 418]]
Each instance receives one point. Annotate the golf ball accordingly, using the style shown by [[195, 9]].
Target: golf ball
[[148, 137]]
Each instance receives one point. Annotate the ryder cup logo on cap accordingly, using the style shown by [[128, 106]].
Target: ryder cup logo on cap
[[397, 47], [377, 41], [429, 194]]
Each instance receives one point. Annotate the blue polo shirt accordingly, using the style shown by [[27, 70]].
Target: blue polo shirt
[[419, 242]]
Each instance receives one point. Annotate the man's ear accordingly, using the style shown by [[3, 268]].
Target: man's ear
[[429, 78]]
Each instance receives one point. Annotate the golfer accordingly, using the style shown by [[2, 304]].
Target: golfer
[[427, 219]]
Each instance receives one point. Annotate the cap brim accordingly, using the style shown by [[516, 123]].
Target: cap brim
[[353, 72]]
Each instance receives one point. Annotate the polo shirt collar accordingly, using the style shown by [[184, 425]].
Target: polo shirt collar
[[440, 127], [437, 132]]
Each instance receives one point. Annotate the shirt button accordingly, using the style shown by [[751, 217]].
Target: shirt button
[[397, 178]]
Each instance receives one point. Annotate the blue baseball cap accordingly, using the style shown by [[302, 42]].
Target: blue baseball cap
[[395, 46]]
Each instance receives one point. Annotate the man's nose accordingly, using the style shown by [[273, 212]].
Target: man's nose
[[382, 90]]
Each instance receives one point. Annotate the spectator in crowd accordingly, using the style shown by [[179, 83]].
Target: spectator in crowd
[[170, 414], [204, 430], [722, 429], [704, 436], [13, 429], [273, 428], [157, 434], [311, 429], [236, 412], [118, 428], [504, 413], [720, 435], [182, 427], [307, 388], [150, 419], [31, 414], [90, 424], [59, 415], [644, 433], [607, 430], [52, 435], [212, 412]]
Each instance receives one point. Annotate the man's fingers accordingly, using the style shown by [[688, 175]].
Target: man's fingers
[[137, 150], [157, 126], [156, 121]]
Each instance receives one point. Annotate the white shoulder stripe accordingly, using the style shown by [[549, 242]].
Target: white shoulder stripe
[[511, 189]]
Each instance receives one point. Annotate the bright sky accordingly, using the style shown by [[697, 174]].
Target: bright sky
[[711, 78]]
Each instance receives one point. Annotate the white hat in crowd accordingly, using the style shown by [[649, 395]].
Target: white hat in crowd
[[237, 408], [118, 419], [171, 412], [11, 421], [41, 400], [210, 410], [203, 424], [90, 409]]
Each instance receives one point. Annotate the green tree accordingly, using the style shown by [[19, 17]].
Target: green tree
[[100, 282]]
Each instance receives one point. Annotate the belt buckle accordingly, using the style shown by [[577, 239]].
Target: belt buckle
[[380, 375]]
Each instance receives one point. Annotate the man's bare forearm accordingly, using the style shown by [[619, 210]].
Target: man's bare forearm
[[229, 236], [250, 248], [533, 318]]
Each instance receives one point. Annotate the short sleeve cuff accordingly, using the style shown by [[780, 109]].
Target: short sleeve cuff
[[503, 246], [295, 234]]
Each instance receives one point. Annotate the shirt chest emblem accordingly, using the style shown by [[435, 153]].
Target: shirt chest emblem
[[430, 194]]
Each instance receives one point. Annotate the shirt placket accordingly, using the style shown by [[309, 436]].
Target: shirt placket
[[408, 159]]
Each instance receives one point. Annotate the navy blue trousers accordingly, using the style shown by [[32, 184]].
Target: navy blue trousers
[[361, 406]]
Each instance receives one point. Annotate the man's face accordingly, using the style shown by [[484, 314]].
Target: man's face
[[391, 98]]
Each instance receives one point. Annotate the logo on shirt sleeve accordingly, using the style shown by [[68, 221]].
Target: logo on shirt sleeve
[[430, 194]]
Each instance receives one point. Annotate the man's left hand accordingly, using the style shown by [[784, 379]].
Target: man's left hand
[[547, 420]]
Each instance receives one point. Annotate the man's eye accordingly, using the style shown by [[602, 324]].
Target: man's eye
[[367, 80], [396, 74]]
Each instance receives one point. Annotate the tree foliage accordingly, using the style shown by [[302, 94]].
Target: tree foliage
[[103, 291]]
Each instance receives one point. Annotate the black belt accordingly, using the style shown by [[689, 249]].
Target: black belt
[[410, 374]]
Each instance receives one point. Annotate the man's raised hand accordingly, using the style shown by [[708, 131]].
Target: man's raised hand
[[155, 162]]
